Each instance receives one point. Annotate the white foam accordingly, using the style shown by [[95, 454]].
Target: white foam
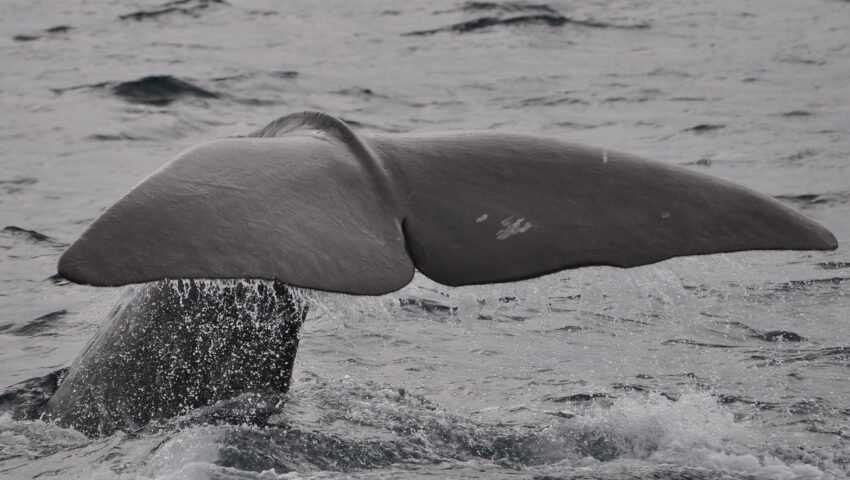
[[694, 431], [190, 454], [32, 438]]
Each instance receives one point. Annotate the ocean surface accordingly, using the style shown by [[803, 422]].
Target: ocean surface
[[721, 366]]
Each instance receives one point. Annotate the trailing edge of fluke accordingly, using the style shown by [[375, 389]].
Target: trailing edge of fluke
[[308, 202]]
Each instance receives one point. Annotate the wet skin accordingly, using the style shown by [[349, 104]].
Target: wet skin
[[173, 346]]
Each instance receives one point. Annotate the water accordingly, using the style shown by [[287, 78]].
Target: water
[[725, 366]]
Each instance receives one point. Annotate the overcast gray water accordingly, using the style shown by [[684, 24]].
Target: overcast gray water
[[722, 366]]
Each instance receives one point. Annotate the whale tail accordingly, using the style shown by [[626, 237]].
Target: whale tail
[[308, 202]]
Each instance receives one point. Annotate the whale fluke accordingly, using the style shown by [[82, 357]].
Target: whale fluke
[[309, 203]]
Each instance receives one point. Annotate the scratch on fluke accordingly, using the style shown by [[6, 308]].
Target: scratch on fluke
[[512, 227]]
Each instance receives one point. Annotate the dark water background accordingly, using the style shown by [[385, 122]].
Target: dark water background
[[725, 366]]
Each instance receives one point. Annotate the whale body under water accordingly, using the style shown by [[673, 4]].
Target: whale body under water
[[305, 202]]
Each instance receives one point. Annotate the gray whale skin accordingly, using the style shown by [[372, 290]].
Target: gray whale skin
[[306, 202]]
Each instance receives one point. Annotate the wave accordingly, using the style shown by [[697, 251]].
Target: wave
[[32, 236], [349, 427], [182, 7], [552, 20], [703, 128], [49, 32], [15, 185], [36, 327], [501, 6], [156, 90], [159, 90], [24, 400], [807, 200], [803, 285]]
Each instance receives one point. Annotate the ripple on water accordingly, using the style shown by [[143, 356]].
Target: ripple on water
[[192, 8], [348, 427], [155, 90], [517, 14]]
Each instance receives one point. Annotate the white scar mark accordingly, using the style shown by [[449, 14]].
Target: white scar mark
[[512, 227], [604, 156], [320, 134], [481, 218]]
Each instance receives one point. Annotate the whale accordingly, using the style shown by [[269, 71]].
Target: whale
[[218, 242], [169, 347]]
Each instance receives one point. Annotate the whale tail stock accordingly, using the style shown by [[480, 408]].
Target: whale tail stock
[[308, 202]]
